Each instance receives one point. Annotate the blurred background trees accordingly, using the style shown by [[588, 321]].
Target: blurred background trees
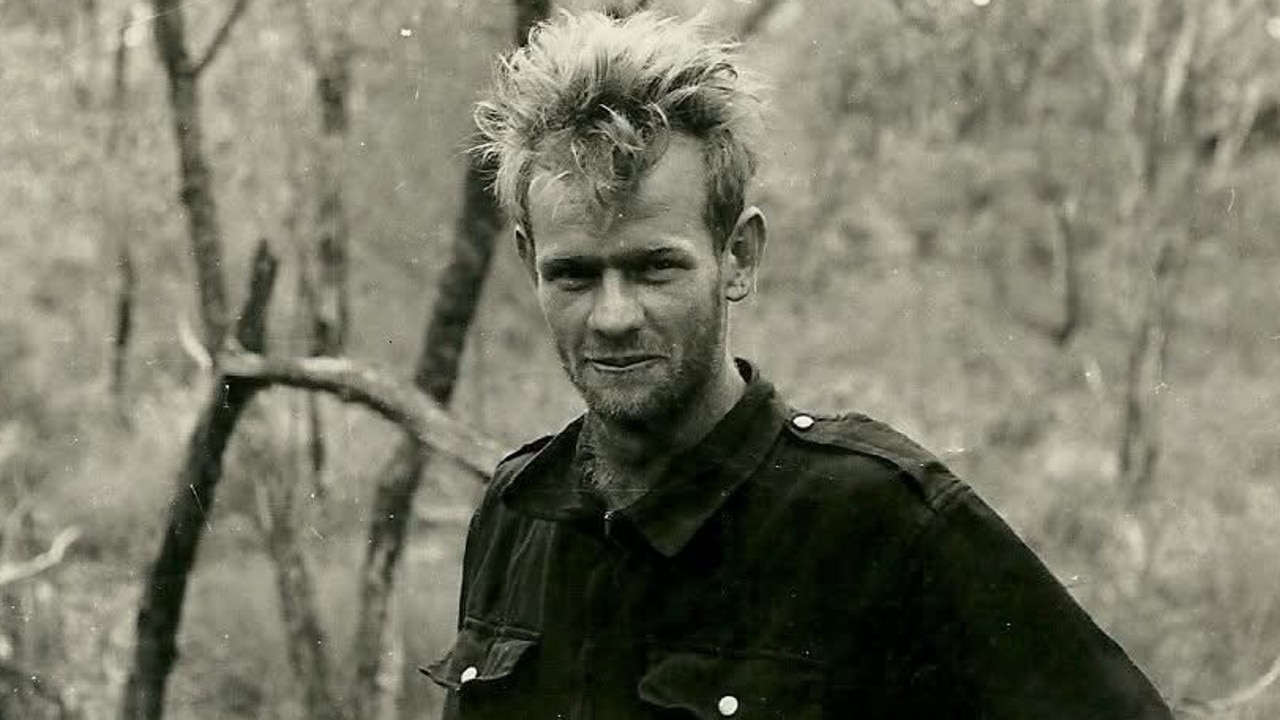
[[1037, 235]]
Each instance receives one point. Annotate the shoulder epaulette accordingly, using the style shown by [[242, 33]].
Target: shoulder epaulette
[[861, 434]]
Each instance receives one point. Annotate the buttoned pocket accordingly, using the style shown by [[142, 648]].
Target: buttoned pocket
[[483, 654], [710, 686]]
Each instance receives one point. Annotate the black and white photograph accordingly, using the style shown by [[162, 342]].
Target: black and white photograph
[[639, 359]]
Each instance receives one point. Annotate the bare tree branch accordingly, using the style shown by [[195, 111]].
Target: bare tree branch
[[1102, 44], [1178, 69], [1235, 23], [310, 40], [1064, 214], [27, 569], [220, 37], [191, 344], [195, 178], [126, 297], [397, 401], [461, 283], [1140, 42], [307, 644], [1233, 140]]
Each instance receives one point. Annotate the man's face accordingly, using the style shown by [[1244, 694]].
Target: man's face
[[634, 295]]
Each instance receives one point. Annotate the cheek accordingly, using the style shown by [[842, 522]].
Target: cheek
[[563, 312], [681, 311]]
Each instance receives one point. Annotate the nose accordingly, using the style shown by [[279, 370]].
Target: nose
[[615, 310]]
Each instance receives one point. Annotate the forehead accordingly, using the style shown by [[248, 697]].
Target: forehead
[[667, 201]]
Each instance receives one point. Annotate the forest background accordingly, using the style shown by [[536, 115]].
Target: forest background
[[1037, 236]]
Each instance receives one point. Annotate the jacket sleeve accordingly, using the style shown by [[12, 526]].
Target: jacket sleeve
[[450, 710], [1008, 640]]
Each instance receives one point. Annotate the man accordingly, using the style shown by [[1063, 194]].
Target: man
[[692, 546]]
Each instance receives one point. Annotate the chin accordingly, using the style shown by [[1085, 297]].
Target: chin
[[627, 407]]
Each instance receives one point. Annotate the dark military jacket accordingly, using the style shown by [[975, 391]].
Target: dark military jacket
[[789, 566]]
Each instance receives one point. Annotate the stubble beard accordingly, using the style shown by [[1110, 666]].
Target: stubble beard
[[671, 392]]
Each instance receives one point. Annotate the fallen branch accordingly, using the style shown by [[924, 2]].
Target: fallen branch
[[397, 401], [11, 573]]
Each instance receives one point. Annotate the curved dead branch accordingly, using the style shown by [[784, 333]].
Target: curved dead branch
[[11, 573], [397, 401]]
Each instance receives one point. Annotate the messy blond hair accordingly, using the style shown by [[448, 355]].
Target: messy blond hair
[[595, 99]]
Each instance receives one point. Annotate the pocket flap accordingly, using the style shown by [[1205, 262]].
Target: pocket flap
[[742, 687], [481, 653]]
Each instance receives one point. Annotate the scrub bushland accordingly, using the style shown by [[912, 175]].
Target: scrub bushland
[[914, 273]]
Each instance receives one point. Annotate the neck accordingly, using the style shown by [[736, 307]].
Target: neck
[[650, 444]]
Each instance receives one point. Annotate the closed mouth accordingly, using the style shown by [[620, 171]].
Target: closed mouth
[[621, 363]]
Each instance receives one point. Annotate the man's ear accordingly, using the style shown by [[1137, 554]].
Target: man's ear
[[524, 246], [743, 253]]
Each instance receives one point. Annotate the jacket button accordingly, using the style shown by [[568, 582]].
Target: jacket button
[[728, 705], [471, 673], [802, 421]]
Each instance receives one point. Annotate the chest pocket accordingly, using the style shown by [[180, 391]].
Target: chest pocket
[[483, 656], [710, 686]]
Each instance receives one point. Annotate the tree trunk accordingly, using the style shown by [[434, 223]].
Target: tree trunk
[[125, 295], [461, 284], [84, 48], [160, 609], [127, 279], [1069, 272], [120, 79], [328, 288], [436, 374], [305, 640], [332, 294], [324, 294], [196, 193], [1139, 449]]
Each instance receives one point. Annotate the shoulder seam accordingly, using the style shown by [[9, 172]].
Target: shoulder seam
[[530, 447], [949, 495], [858, 433]]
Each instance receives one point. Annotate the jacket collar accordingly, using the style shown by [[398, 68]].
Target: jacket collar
[[699, 482]]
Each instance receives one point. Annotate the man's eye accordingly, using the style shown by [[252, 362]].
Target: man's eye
[[661, 270], [571, 279]]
